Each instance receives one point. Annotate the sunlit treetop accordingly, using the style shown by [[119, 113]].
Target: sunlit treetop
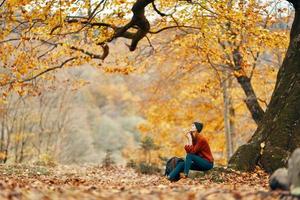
[[41, 36]]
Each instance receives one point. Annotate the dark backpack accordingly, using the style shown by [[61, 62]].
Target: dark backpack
[[171, 164]]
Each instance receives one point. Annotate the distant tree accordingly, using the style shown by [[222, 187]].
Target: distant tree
[[148, 145], [108, 160], [58, 29]]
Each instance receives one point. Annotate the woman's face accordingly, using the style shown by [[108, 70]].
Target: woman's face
[[193, 129]]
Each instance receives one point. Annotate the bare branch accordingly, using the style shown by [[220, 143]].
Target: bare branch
[[1, 4], [149, 41], [202, 6], [45, 53], [85, 23], [9, 40], [92, 55], [214, 68], [172, 27], [49, 69], [158, 11], [255, 58], [92, 15], [263, 101]]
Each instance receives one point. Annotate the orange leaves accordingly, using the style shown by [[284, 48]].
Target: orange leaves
[[23, 64], [239, 73], [144, 128], [183, 77], [95, 182], [176, 104], [187, 88], [120, 1], [77, 84], [37, 37], [4, 79], [2, 155], [14, 3], [123, 70]]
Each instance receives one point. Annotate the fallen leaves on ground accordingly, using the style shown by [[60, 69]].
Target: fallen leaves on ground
[[96, 182]]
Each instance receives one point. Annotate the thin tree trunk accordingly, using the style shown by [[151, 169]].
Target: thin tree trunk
[[17, 144], [2, 142], [2, 135], [22, 150], [8, 132], [7, 146], [227, 105], [232, 124]]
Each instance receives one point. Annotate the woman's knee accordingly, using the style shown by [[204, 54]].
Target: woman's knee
[[180, 165]]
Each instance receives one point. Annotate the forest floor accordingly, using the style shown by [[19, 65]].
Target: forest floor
[[95, 182]]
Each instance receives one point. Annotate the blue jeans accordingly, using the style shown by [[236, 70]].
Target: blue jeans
[[192, 162]]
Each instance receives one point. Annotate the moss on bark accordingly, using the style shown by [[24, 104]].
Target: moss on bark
[[273, 158], [245, 157]]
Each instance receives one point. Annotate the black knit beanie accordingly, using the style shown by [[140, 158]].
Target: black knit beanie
[[199, 126]]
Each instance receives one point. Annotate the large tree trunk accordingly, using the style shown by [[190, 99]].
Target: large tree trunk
[[278, 134]]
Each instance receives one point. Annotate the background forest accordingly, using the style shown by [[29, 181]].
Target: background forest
[[96, 96], [135, 107]]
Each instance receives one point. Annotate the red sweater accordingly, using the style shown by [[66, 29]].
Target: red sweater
[[201, 148]]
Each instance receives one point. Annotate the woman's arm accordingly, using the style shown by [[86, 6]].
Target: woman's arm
[[193, 148], [188, 138]]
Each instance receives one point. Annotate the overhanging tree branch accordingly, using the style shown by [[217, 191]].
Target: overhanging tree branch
[[48, 70], [104, 46], [172, 27], [92, 55], [40, 74], [139, 22]]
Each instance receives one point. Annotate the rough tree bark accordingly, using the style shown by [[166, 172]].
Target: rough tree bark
[[279, 132]]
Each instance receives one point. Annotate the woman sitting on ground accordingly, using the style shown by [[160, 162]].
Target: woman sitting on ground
[[198, 157]]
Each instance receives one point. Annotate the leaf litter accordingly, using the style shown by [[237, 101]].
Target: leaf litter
[[96, 182]]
